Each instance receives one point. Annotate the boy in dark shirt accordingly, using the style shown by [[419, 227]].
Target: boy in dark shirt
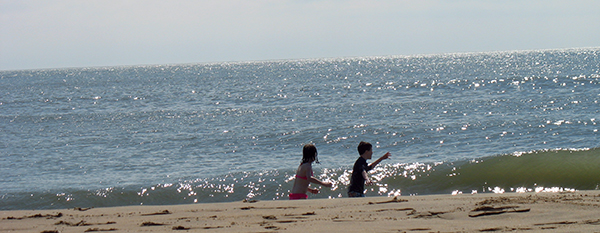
[[360, 169]]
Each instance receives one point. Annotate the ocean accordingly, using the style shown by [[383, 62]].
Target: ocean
[[511, 121]]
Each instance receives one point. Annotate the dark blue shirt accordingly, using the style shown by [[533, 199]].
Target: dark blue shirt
[[357, 181]]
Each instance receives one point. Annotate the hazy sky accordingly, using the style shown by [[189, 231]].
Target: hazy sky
[[82, 33]]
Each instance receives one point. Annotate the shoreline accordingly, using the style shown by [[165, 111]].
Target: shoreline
[[533, 212]]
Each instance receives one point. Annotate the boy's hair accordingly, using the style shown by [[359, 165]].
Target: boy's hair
[[309, 152], [364, 147]]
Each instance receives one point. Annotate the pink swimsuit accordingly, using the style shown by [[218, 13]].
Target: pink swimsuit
[[302, 177], [297, 196]]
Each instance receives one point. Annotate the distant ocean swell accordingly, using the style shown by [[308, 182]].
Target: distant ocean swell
[[536, 171]]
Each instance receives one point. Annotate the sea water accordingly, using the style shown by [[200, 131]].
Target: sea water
[[516, 121]]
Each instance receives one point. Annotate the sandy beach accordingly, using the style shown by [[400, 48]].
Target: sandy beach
[[530, 212]]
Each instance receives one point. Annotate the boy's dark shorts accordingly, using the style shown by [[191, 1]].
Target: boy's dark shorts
[[355, 194]]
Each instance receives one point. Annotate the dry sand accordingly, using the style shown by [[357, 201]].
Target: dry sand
[[517, 212]]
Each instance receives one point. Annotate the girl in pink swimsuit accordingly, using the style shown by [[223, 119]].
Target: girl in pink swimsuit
[[304, 174]]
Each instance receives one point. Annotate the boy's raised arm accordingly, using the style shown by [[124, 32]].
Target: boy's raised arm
[[385, 156]]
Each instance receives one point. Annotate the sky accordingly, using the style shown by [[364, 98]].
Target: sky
[[76, 33]]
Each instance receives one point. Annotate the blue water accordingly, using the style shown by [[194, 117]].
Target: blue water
[[194, 133]]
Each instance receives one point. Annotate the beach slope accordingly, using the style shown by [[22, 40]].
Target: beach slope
[[532, 212]]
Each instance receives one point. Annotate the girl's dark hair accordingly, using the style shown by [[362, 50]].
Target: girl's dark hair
[[364, 147], [309, 153]]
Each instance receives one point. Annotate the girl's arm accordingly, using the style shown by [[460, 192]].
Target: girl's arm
[[313, 180]]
